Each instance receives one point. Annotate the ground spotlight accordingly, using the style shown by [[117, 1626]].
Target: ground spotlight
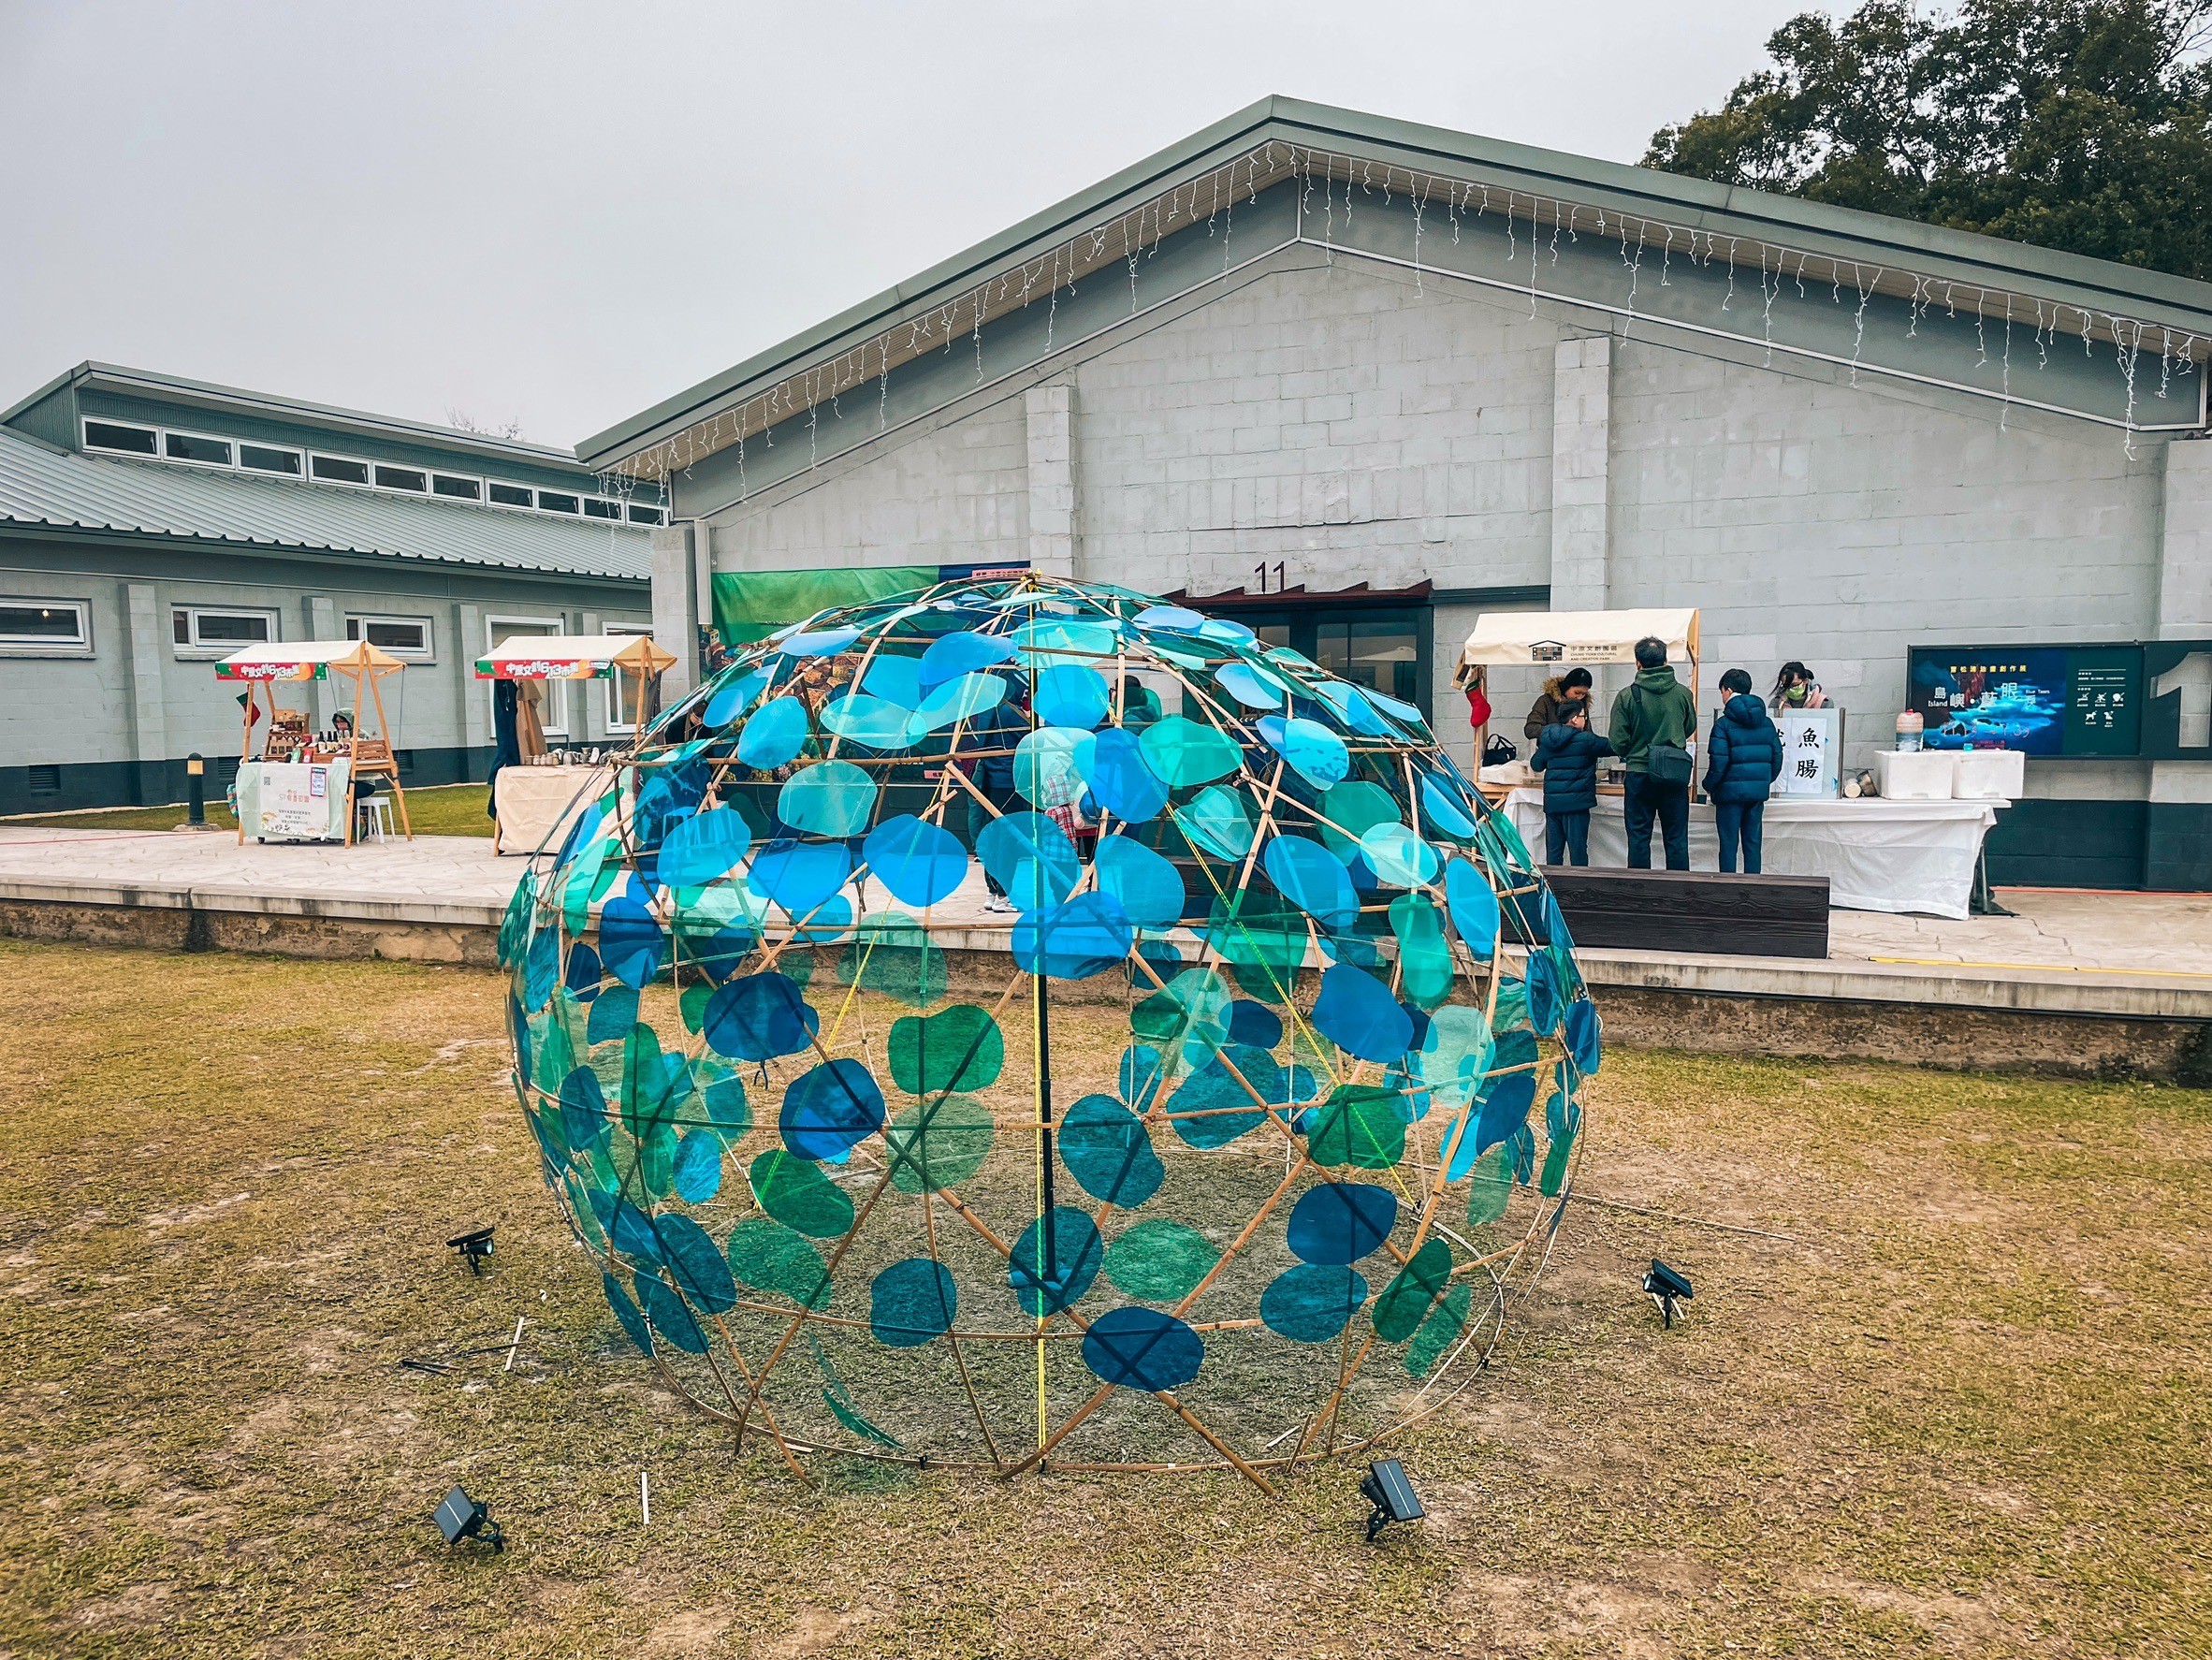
[[461, 1517], [473, 1247], [1387, 1487], [1666, 1288]]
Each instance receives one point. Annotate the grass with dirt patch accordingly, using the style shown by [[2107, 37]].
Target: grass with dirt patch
[[1960, 1410], [441, 810]]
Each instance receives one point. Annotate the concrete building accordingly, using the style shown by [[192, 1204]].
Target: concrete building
[[1357, 381], [150, 525]]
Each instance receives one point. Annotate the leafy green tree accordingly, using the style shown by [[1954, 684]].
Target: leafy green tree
[[2081, 125]]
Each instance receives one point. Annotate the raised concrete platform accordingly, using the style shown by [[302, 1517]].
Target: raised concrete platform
[[2082, 984]]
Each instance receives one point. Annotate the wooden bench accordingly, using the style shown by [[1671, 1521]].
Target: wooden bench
[[1697, 911]]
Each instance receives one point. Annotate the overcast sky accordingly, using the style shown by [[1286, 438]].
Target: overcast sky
[[560, 213]]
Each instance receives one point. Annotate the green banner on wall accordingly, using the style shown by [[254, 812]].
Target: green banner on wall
[[752, 605]]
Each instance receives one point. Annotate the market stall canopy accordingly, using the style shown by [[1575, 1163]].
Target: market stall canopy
[[572, 657], [1577, 636], [307, 659]]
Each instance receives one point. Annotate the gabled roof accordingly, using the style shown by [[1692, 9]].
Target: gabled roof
[[53, 489], [809, 367], [173, 389]]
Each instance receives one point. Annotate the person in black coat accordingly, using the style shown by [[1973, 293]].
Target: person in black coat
[[1567, 755], [1743, 759]]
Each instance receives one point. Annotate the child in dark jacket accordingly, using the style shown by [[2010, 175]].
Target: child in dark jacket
[[1743, 759], [1567, 755]]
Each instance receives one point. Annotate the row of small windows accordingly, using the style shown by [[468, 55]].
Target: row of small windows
[[199, 449], [65, 626]]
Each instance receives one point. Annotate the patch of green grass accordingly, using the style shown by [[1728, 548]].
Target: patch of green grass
[[1960, 1410], [441, 809]]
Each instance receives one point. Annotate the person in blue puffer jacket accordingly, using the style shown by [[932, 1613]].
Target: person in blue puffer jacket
[[1743, 759], [1567, 754]]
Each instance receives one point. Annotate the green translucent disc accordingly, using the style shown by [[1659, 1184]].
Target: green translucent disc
[[769, 1257], [1398, 1312], [942, 1141], [1160, 1262], [1352, 809], [1439, 1332], [1184, 753], [1425, 957], [1490, 1186], [1359, 1124], [796, 1193], [956, 1048]]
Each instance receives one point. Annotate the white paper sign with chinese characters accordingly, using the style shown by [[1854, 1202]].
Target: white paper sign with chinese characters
[[1811, 750]]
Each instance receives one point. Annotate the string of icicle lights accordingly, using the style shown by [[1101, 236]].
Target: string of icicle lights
[[1330, 186]]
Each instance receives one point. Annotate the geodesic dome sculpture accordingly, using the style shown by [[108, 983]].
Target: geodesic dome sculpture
[[1225, 1137]]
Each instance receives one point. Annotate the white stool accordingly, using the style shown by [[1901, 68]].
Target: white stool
[[374, 821]]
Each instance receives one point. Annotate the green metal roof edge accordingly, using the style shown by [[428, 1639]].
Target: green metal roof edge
[[1965, 257], [274, 406]]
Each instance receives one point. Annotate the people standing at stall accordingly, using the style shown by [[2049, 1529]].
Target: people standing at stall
[[1651, 727], [1743, 758], [1568, 755], [1561, 694], [1795, 689]]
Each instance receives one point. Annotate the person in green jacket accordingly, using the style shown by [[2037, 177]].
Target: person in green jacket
[[1656, 710]]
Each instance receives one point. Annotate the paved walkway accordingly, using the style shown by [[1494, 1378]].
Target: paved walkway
[[2161, 936]]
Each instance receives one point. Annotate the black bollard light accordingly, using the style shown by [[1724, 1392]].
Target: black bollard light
[[196, 794]]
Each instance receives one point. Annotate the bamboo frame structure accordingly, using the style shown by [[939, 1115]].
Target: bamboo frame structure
[[1419, 1175]]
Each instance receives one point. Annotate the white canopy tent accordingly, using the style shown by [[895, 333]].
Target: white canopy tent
[[1558, 640], [1568, 637]]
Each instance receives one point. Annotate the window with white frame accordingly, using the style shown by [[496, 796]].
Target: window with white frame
[[411, 637], [454, 486], [337, 469], [553, 712], [598, 507], [413, 480], [124, 438], [646, 516], [507, 495], [558, 501], [199, 448], [58, 628], [220, 629], [622, 688], [271, 458]]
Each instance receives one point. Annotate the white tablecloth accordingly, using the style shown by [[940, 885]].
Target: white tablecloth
[[534, 802], [293, 800], [1914, 856]]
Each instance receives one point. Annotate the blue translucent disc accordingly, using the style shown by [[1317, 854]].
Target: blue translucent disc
[[731, 701], [1244, 683], [776, 733], [704, 848], [829, 798], [1312, 1302], [1149, 889], [630, 943], [1337, 1223], [1120, 781], [758, 1017], [1474, 906], [1030, 858], [1071, 695], [1086, 936], [955, 701], [1178, 618], [825, 642], [1312, 878], [1142, 1349], [1107, 1150], [952, 656], [1583, 1036], [1356, 1012], [862, 719], [830, 1110], [919, 863], [894, 679], [1309, 749], [912, 1303], [1053, 1267], [799, 875]]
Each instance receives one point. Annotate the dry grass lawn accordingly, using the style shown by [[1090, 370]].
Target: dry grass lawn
[[1962, 1410], [441, 809]]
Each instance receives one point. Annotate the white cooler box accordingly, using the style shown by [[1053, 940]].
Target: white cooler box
[[1924, 775], [1989, 775]]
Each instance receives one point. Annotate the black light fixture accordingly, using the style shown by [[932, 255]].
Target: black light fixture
[[1388, 1488], [473, 1247], [1666, 1288], [461, 1517]]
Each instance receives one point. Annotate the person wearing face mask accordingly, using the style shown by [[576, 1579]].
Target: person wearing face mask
[[1795, 689]]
